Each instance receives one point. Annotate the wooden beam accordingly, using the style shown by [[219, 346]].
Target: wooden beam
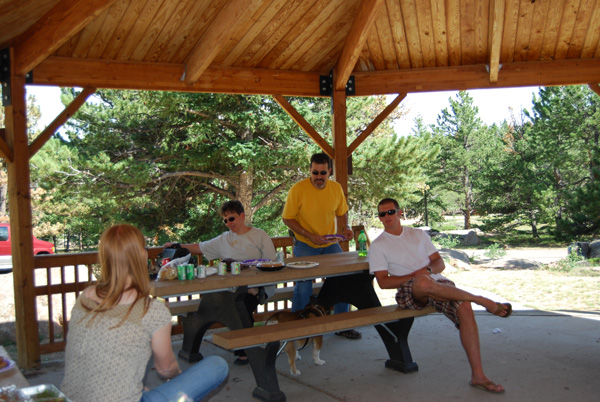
[[543, 73], [375, 123], [308, 129], [67, 72], [595, 88], [19, 199], [5, 151], [60, 24], [340, 145], [216, 36], [60, 120], [355, 41], [495, 37]]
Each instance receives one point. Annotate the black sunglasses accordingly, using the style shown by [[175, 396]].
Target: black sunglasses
[[322, 172], [230, 219], [389, 212]]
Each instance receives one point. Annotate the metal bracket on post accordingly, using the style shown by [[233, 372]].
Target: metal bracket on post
[[5, 76], [326, 85]]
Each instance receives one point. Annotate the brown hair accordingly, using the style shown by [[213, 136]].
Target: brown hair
[[123, 266], [388, 200]]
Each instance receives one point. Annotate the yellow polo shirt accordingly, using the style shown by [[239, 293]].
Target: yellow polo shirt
[[315, 209]]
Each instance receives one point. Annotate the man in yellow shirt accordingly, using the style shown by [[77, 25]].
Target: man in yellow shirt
[[312, 209]]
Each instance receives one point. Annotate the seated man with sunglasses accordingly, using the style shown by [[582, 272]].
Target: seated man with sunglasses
[[312, 209], [241, 242], [404, 258]]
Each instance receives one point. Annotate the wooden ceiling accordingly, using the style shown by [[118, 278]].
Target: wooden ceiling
[[283, 46]]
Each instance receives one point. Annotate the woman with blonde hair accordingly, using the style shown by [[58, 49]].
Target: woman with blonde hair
[[115, 328]]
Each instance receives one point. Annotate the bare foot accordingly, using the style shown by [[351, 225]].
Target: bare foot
[[501, 310], [488, 386]]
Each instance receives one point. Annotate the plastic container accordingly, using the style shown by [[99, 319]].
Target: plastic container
[[362, 244]]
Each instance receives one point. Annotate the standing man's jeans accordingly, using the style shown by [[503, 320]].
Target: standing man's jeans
[[193, 384], [303, 289]]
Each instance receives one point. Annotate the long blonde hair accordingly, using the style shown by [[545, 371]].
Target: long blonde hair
[[123, 266]]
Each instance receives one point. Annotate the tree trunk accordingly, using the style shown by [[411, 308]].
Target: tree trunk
[[246, 189]]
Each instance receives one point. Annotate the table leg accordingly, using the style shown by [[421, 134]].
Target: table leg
[[224, 307], [358, 290], [229, 309], [262, 361]]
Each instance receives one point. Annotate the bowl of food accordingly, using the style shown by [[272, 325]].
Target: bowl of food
[[270, 265]]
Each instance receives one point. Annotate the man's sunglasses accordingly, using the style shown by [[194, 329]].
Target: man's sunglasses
[[230, 219], [389, 212], [322, 173]]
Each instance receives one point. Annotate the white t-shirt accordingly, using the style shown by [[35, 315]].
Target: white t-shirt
[[252, 245], [401, 255]]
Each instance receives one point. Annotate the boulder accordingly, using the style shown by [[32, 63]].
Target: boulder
[[594, 249], [467, 237], [581, 247]]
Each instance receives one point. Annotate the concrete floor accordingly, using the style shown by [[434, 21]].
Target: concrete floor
[[537, 356]]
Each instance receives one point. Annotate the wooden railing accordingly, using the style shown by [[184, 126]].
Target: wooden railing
[[60, 278]]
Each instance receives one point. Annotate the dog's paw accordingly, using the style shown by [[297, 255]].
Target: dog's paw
[[298, 357], [295, 372], [319, 362]]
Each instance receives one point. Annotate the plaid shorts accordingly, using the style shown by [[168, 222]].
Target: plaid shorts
[[405, 299]]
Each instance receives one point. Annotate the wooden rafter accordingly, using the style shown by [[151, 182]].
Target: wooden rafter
[[55, 28], [59, 71], [375, 123], [312, 133], [495, 37], [543, 73], [5, 151], [166, 77], [595, 88], [355, 41], [216, 36], [60, 120]]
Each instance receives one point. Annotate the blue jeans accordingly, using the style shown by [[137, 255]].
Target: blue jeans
[[193, 384], [303, 289]]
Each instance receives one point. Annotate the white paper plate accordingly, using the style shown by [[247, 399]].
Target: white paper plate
[[10, 365], [302, 264]]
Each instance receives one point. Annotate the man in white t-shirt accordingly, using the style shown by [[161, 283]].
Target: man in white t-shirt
[[404, 258], [241, 242]]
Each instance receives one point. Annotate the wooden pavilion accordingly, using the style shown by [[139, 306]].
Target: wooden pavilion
[[333, 48]]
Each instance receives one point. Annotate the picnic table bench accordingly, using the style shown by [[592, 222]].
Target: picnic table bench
[[347, 280]]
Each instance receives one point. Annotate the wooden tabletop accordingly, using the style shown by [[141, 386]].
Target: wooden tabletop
[[12, 376], [329, 265]]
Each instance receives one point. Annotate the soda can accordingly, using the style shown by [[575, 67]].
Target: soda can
[[201, 271], [189, 271], [236, 268], [222, 267], [181, 272]]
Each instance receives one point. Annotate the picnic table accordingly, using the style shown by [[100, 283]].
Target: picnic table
[[346, 280]]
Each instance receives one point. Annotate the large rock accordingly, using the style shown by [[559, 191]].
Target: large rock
[[467, 237], [594, 249]]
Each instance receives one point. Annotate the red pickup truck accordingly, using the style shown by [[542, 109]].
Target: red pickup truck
[[39, 247]]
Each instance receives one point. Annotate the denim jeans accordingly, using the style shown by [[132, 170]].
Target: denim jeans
[[303, 289], [193, 384]]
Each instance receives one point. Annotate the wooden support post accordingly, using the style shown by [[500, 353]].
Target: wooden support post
[[340, 145], [19, 198]]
